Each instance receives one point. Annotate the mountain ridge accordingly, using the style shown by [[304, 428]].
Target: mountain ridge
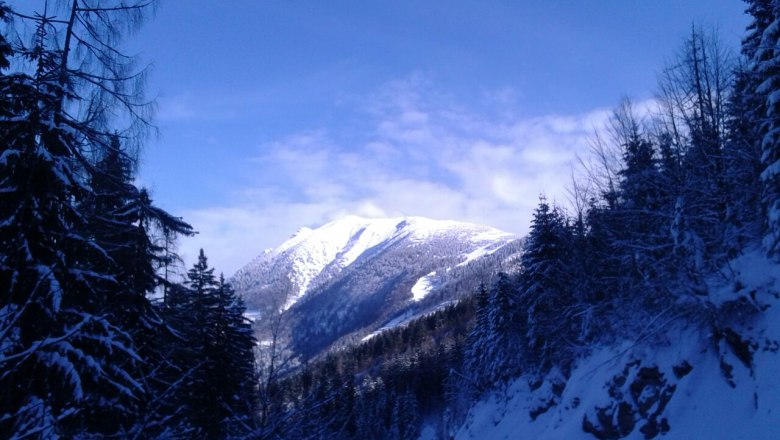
[[350, 277], [339, 243]]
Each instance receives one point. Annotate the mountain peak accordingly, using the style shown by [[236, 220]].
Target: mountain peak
[[312, 256], [354, 276]]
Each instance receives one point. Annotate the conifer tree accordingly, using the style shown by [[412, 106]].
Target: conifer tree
[[742, 155], [473, 376], [639, 234], [234, 361], [545, 286], [502, 338], [66, 359], [742, 150], [765, 62], [78, 252], [694, 95], [53, 277], [122, 219], [203, 396], [220, 396], [406, 419]]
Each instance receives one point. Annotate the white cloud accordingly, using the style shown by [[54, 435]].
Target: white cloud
[[424, 154], [177, 108]]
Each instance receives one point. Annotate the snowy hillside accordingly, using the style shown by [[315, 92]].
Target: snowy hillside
[[358, 274], [679, 379]]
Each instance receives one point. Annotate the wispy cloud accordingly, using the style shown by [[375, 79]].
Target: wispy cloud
[[418, 152], [178, 108]]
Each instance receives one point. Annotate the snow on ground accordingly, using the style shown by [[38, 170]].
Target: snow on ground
[[479, 253], [491, 234], [393, 323], [370, 335], [492, 237], [703, 403], [408, 316], [424, 286]]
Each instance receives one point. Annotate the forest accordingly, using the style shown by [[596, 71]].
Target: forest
[[99, 339], [85, 350]]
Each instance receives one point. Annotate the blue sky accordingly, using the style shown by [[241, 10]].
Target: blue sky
[[281, 114]]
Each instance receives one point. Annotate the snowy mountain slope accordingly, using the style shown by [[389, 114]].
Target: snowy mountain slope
[[680, 381], [356, 274], [311, 257]]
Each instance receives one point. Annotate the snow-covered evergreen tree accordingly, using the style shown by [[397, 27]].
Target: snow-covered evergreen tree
[[204, 406], [742, 157], [694, 95], [234, 362], [765, 62], [473, 376], [492, 350], [546, 295], [742, 150], [79, 339], [65, 359], [220, 394], [123, 221], [406, 417], [502, 340], [62, 356]]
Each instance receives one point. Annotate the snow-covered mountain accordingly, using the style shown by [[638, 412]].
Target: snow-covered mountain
[[353, 276]]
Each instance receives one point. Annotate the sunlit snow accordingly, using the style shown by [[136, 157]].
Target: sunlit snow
[[313, 253], [423, 286], [393, 323]]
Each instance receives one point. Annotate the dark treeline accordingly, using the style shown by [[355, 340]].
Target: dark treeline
[[377, 389], [84, 352]]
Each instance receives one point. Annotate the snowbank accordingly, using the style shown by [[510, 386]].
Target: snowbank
[[687, 383]]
